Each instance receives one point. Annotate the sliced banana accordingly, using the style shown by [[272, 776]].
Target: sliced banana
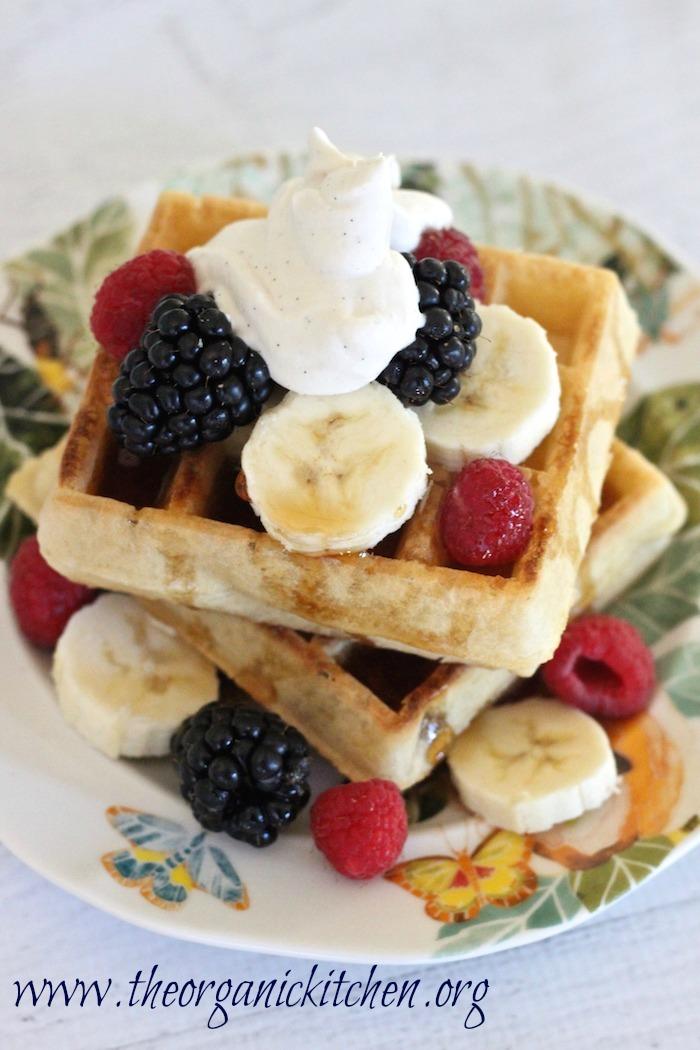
[[125, 681], [335, 473], [509, 399], [529, 765]]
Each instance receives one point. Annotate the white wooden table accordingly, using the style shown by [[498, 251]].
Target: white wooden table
[[96, 96]]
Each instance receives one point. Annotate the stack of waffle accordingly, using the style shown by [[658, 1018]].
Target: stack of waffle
[[380, 659]]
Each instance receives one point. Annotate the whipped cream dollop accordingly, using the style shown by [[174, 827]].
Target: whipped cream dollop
[[415, 211], [319, 287]]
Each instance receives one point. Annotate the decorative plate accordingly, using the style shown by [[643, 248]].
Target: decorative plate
[[118, 834]]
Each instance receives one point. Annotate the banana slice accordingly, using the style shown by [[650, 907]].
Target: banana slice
[[509, 399], [125, 681], [529, 765], [335, 473]]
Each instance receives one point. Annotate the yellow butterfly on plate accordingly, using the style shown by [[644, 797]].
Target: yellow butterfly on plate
[[455, 889]]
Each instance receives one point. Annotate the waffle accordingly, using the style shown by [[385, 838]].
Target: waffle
[[377, 713], [372, 712], [180, 221], [179, 532]]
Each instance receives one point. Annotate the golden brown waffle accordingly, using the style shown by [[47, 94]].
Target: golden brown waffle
[[373, 712], [179, 532], [180, 221], [377, 713]]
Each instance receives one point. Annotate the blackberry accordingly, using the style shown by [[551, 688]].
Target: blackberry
[[242, 770], [190, 380], [428, 369]]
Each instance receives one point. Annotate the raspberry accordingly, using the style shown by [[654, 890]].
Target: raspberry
[[453, 244], [603, 667], [127, 295], [42, 599], [486, 516], [361, 828]]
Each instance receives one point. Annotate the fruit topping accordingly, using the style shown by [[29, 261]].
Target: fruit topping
[[532, 764], [43, 601], [509, 400], [603, 667], [126, 297], [125, 681], [360, 828], [190, 380], [486, 516], [243, 771], [428, 368], [336, 473], [453, 244]]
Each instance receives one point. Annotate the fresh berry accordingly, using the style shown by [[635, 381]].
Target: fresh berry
[[486, 516], [126, 297], [243, 770], [42, 599], [453, 244], [190, 380], [360, 828], [428, 368], [603, 667]]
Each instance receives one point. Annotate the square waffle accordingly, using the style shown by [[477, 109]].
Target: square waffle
[[178, 531], [376, 713]]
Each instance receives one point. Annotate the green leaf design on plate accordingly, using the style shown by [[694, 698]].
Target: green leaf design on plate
[[600, 886], [679, 671], [665, 426], [668, 593], [496, 207], [644, 275], [420, 175], [31, 414], [14, 525], [61, 278], [552, 904], [31, 419], [652, 306]]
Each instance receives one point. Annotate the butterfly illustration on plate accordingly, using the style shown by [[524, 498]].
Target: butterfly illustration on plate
[[456, 888], [166, 861]]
